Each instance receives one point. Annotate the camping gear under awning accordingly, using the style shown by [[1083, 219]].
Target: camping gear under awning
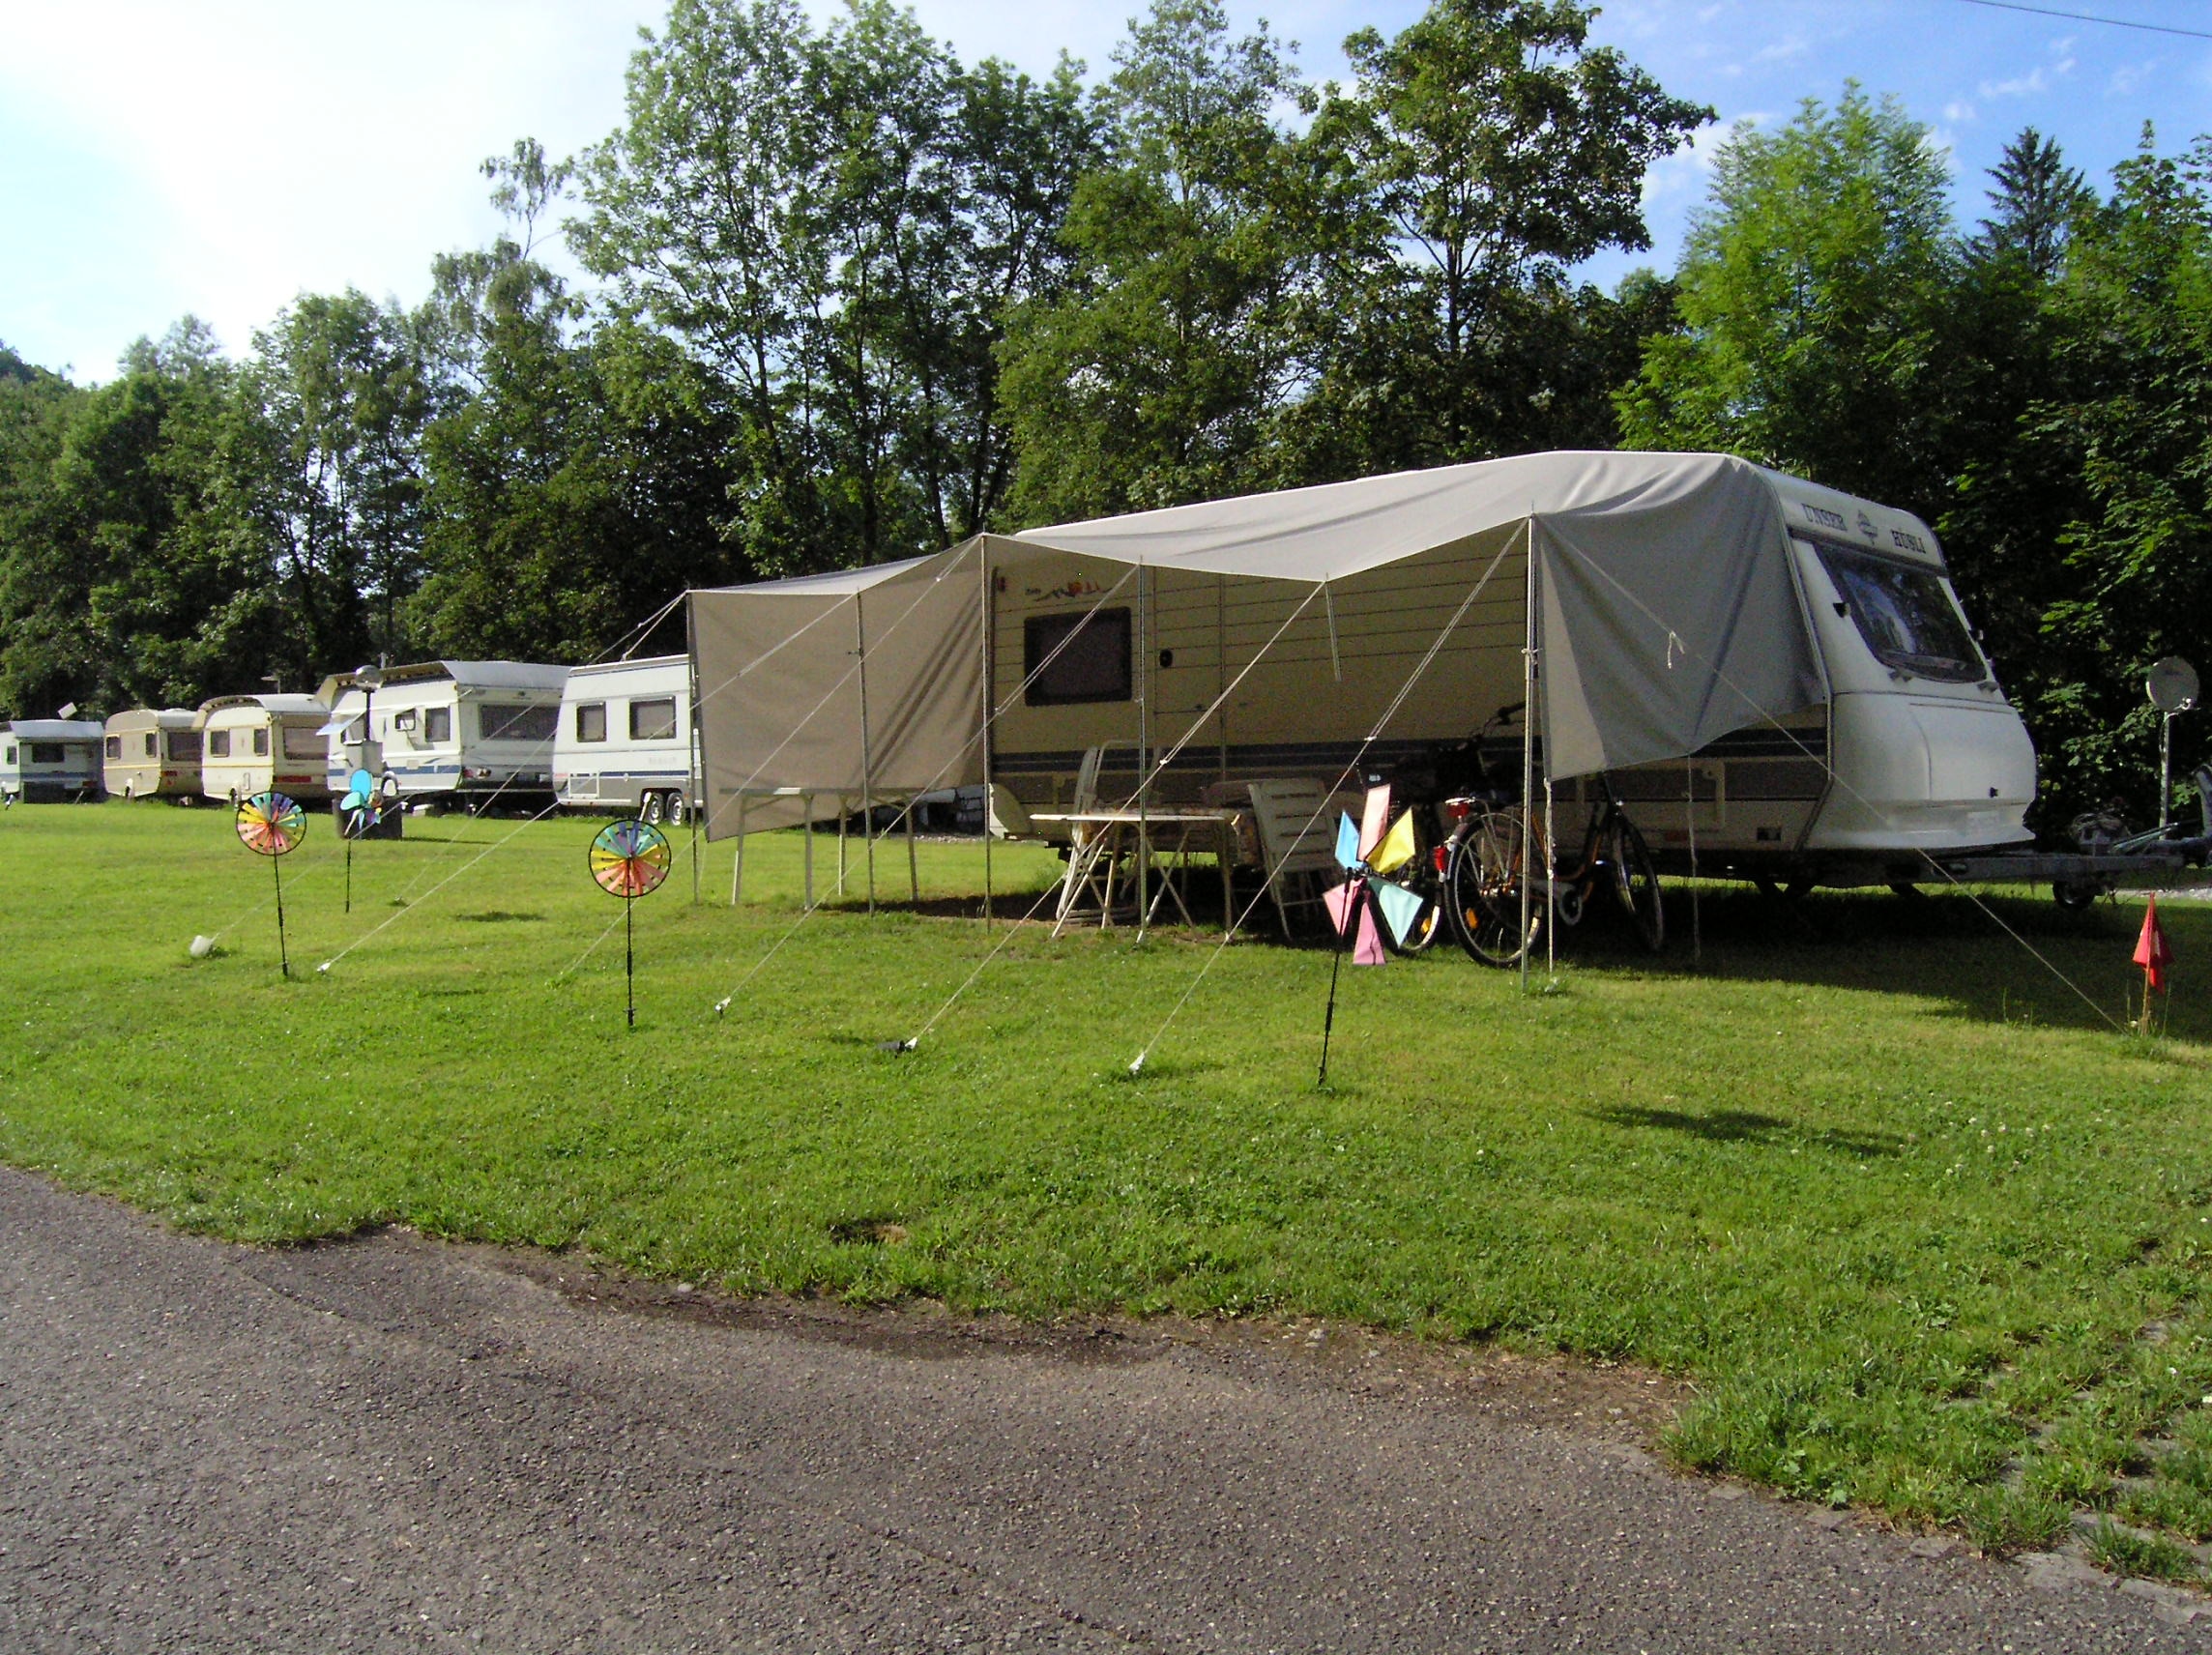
[[1668, 615]]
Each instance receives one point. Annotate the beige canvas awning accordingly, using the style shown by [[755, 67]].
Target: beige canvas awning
[[1668, 616]]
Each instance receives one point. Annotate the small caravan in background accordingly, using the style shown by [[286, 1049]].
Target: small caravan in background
[[51, 761], [253, 743], [624, 744], [153, 753], [449, 732]]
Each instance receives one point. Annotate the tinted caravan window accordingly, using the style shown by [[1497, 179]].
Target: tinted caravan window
[[592, 722], [437, 724], [1904, 615], [1093, 666], [115, 746], [218, 744], [504, 721]]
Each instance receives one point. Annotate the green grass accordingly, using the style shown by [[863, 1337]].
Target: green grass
[[1924, 1233]]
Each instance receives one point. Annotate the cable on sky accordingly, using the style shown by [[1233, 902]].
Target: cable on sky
[[2086, 17]]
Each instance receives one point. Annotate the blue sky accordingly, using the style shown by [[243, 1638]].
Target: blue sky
[[158, 156]]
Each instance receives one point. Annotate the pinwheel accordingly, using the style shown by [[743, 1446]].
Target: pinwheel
[[357, 815], [630, 858], [270, 825], [1368, 852]]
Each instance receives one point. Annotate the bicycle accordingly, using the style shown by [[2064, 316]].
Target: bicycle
[[1484, 874]]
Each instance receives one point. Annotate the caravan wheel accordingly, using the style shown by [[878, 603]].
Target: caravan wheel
[[650, 811], [676, 809]]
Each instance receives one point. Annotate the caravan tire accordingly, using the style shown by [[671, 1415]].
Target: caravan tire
[[674, 810], [649, 811]]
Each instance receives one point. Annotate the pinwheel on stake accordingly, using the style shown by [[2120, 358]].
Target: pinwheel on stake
[[630, 858], [1368, 854], [271, 825], [357, 815]]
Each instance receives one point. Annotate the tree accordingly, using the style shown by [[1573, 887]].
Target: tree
[[1151, 380], [339, 400], [123, 576], [1811, 295], [1478, 157]]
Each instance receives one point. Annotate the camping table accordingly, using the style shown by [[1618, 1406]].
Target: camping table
[[1108, 842]]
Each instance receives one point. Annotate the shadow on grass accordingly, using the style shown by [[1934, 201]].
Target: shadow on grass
[[1996, 957], [1742, 1127]]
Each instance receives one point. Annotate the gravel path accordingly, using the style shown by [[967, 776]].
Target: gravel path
[[394, 1444]]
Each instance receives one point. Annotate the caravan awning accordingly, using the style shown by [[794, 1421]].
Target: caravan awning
[[1668, 615]]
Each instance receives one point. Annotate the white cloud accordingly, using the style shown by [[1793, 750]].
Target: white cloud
[[1957, 112]]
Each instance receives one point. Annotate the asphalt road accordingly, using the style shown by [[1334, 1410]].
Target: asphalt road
[[395, 1444]]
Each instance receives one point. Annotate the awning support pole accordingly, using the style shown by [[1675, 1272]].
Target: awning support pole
[[844, 817], [867, 757], [1527, 743], [694, 784], [913, 867], [1144, 751], [737, 862], [1690, 817], [990, 697], [807, 805]]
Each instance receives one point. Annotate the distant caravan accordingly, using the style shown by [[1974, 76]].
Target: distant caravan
[[49, 761], [257, 744], [153, 753], [473, 735], [624, 743]]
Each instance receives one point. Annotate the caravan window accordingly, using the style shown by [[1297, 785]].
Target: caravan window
[[184, 745], [153, 745], [218, 744], [437, 724], [504, 721], [1094, 665], [304, 741], [653, 720], [1904, 615], [261, 743], [403, 720], [114, 748], [46, 752], [592, 722]]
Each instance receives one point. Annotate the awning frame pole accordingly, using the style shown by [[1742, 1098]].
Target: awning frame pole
[[737, 862], [867, 756], [1144, 748], [807, 805], [1527, 742], [990, 699], [912, 866], [844, 820], [695, 784]]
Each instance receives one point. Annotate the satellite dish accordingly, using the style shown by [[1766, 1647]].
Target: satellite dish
[[2172, 685]]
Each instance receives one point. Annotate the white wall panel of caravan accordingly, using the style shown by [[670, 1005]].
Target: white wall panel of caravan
[[51, 761], [153, 753], [253, 743], [458, 732], [625, 741]]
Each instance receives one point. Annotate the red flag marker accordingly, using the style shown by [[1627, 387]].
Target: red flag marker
[[2154, 954]]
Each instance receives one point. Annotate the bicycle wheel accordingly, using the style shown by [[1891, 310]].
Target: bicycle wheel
[[1483, 889], [1636, 881]]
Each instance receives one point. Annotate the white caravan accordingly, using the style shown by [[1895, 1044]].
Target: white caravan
[[1770, 674], [153, 753], [463, 732], [50, 760], [624, 744], [259, 743]]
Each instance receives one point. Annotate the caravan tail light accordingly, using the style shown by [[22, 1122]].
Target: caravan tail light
[[471, 772]]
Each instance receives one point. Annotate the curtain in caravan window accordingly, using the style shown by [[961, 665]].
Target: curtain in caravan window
[[261, 743], [303, 742], [592, 722], [506, 721], [653, 720], [437, 724], [218, 744]]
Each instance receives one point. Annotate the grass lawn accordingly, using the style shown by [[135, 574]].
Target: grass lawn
[[1924, 1233]]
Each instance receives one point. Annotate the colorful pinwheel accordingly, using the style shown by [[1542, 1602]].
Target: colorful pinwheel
[[271, 825], [630, 858], [1367, 854]]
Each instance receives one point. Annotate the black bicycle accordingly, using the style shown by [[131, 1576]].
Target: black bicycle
[[1495, 852]]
